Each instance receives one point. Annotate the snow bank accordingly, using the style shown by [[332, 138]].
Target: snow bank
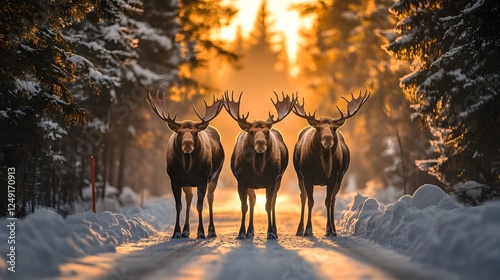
[[45, 239], [469, 192], [431, 227], [113, 200], [109, 203], [129, 198]]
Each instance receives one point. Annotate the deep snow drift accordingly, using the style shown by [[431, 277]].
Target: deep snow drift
[[430, 227], [44, 239]]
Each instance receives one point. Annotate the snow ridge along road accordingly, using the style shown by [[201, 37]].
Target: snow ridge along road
[[289, 257]]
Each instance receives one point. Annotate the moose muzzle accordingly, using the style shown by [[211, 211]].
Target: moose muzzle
[[187, 143], [327, 138], [260, 143]]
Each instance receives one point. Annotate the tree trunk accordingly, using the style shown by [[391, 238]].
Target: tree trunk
[[55, 183], [401, 155], [123, 151], [105, 166], [83, 175], [105, 171], [112, 165]]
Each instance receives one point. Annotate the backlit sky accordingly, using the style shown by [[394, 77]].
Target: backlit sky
[[286, 21]]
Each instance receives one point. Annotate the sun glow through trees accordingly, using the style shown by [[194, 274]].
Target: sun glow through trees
[[286, 22]]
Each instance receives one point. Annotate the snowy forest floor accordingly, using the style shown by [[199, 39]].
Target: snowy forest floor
[[224, 257]]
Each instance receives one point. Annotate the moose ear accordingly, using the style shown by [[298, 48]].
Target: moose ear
[[244, 126], [174, 127], [312, 122], [339, 123], [201, 126]]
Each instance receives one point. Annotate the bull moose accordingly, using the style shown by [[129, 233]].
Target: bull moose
[[259, 160], [321, 157], [194, 159]]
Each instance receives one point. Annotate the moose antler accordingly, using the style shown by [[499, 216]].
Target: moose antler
[[210, 111], [233, 108], [299, 110], [283, 107], [352, 106], [158, 105]]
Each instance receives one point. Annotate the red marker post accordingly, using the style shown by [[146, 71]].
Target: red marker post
[[93, 181]]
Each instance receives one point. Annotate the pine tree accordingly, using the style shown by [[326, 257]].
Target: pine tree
[[107, 37], [197, 19], [36, 66], [56, 54], [454, 87], [259, 59], [167, 28], [347, 56], [174, 40], [142, 52]]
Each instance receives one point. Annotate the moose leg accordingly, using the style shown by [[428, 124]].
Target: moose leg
[[333, 231], [176, 190], [330, 231], [188, 191], [252, 198], [332, 207], [310, 203], [275, 196], [244, 208], [269, 200], [300, 228], [199, 206], [210, 197]]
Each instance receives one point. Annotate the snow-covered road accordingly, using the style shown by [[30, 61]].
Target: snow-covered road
[[424, 236], [289, 257]]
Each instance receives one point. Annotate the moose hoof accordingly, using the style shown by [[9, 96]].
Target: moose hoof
[[331, 233], [249, 235], [185, 234], [300, 233], [271, 235], [211, 231], [201, 235], [241, 236], [308, 232], [176, 235]]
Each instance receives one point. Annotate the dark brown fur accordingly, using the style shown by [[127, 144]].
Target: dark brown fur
[[200, 168], [259, 160], [316, 165], [321, 157], [259, 170], [194, 159]]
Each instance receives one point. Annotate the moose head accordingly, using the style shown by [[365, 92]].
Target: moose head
[[187, 131], [259, 130], [326, 127]]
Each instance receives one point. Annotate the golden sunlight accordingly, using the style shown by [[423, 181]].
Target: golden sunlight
[[286, 21], [230, 203]]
